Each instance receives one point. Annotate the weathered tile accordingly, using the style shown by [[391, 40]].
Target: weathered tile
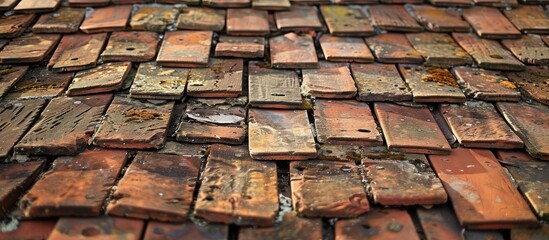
[[185, 149], [529, 121], [247, 22], [15, 179], [108, 77], [6, 5], [393, 18], [393, 48], [185, 49], [490, 23], [272, 88], [273, 5], [346, 21], [88, 3], [101, 228], [485, 85], [77, 52], [188, 230], [298, 18], [293, 51], [311, 180], [40, 83], [529, 19], [487, 53], [3, 42], [431, 84], [14, 25], [530, 233], [439, 222], [481, 193], [532, 82], [131, 46], [240, 47], [439, 49], [496, 3], [29, 48], [237, 189], [439, 19], [187, 2], [529, 49], [199, 18], [452, 3], [310, 2], [377, 224], [36, 6], [88, 176], [481, 234], [107, 19], [156, 82], [331, 80], [132, 123], [280, 135], [226, 3], [33, 229], [9, 75], [415, 131], [345, 49], [291, 227], [196, 132], [380, 82], [64, 20], [65, 126], [155, 18], [223, 78]]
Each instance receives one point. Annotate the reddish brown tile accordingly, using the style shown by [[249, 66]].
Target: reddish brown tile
[[14, 25], [107, 19], [293, 51], [487, 234], [490, 23], [29, 48], [88, 3], [452, 3], [496, 3], [34, 229], [131, 46], [274, 5], [346, 21], [77, 52], [343, 49], [393, 48], [529, 19], [322, 83], [64, 20], [481, 193], [272, 88], [90, 174], [156, 82], [487, 53], [439, 19], [108, 77], [188, 2], [378, 224], [291, 227], [280, 135], [9, 75], [194, 132], [529, 49], [100, 228], [380, 82], [439, 222], [185, 149], [431, 84], [226, 3], [36, 6], [196, 18], [237, 189], [6, 5], [223, 78], [188, 230], [240, 47], [530, 233], [486, 85], [298, 18], [40, 83], [131, 123], [247, 22], [15, 179], [439, 49], [532, 82], [155, 18], [185, 49], [393, 18]]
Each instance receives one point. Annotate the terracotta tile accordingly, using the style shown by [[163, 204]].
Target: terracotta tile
[[380, 82], [77, 52], [197, 18], [107, 19], [293, 51], [131, 46], [108, 77], [9, 75], [310, 2], [29, 48], [529, 121], [185, 49], [280, 135], [223, 78], [240, 47], [343, 49], [393, 48], [64, 20], [439, 19], [439, 222], [388, 224], [34, 229], [188, 230], [156, 82], [349, 153], [529, 49], [226, 3], [346, 21], [298, 18], [431, 84], [14, 25], [291, 227], [274, 5], [530, 233], [486, 85], [474, 234], [6, 5], [545, 39], [16, 178], [452, 3], [40, 83], [131, 1], [415, 131], [185, 149], [481, 193], [272, 88], [496, 3], [490, 23], [487, 53], [393, 18], [529, 19], [136, 124], [194, 132], [322, 83], [532, 82], [247, 22], [188, 2], [155, 18], [91, 176], [439, 49], [36, 6], [311, 180], [101, 228], [237, 189], [88, 3]]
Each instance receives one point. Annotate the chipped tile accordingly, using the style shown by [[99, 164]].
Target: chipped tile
[[298, 18], [291, 227], [439, 19], [273, 5], [14, 25], [272, 88], [9, 75], [247, 22], [155, 18], [156, 82], [532, 82], [376, 225], [529, 49], [64, 20], [380, 82], [439, 222], [29, 48], [344, 49], [490, 23], [393, 48], [131, 46], [486, 85], [223, 78], [185, 49], [108, 77], [226, 3], [194, 132], [439, 49], [529, 19], [100, 227], [293, 51], [487, 53], [77, 52], [36, 6], [33, 229], [346, 21], [430, 84], [40, 83], [15, 179], [107, 19], [196, 18], [331, 80], [393, 18], [188, 230], [240, 47]]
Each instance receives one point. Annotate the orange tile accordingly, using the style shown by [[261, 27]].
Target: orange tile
[[346, 21], [345, 49], [486, 85], [331, 80], [393, 48], [100, 227], [298, 18], [393, 18], [77, 52], [107, 19], [131, 46], [247, 22], [29, 48], [529, 19], [188, 230], [387, 224], [490, 23], [293, 51], [185, 49], [431, 85]]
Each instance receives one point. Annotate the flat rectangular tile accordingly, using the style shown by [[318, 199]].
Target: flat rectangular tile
[[99, 227], [293, 51], [14, 25], [331, 80], [154, 18], [431, 84], [487, 53], [490, 23], [40, 83], [378, 224], [439, 49], [532, 82], [131, 46], [291, 225], [196, 132], [481, 193], [240, 47], [272, 88], [29, 48], [345, 49], [197, 18], [410, 129], [298, 18], [226, 3], [274, 5], [439, 222], [486, 85], [237, 189], [157, 82], [393, 18], [15, 179], [223, 78], [452, 3], [439, 19], [77, 52], [187, 230], [280, 135], [346, 21], [88, 3], [247, 22], [88, 177], [380, 82], [64, 20], [107, 19], [36, 5], [185, 49], [108, 77], [393, 48], [9, 75], [529, 49], [32, 229], [497, 3], [529, 19]]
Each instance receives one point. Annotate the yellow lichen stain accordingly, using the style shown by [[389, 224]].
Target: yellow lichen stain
[[440, 76], [140, 115], [508, 84]]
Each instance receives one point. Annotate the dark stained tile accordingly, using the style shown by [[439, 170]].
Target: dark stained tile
[[530, 233], [135, 124], [36, 6], [496, 3], [486, 85], [410, 129], [240, 47], [452, 3], [247, 22], [29, 48], [9, 75], [185, 49], [393, 48], [532, 82], [346, 21], [157, 82], [349, 153], [188, 2], [274, 5], [377, 224], [155, 18], [529, 19], [310, 2], [293, 51], [490, 23], [380, 82], [101, 228], [273, 88], [298, 18], [77, 52], [393, 18], [14, 25], [131, 46], [33, 229], [196, 132], [6, 5], [226, 3], [345, 49], [40, 83], [88, 3], [64, 20], [188, 230], [16, 178], [280, 135], [223, 78], [196, 18], [108, 77], [107, 19], [479, 234], [482, 195], [88, 177], [237, 189], [291, 227], [439, 49], [487, 53], [439, 19], [185, 149], [431, 84], [439, 222], [354, 1], [529, 49], [331, 80]]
